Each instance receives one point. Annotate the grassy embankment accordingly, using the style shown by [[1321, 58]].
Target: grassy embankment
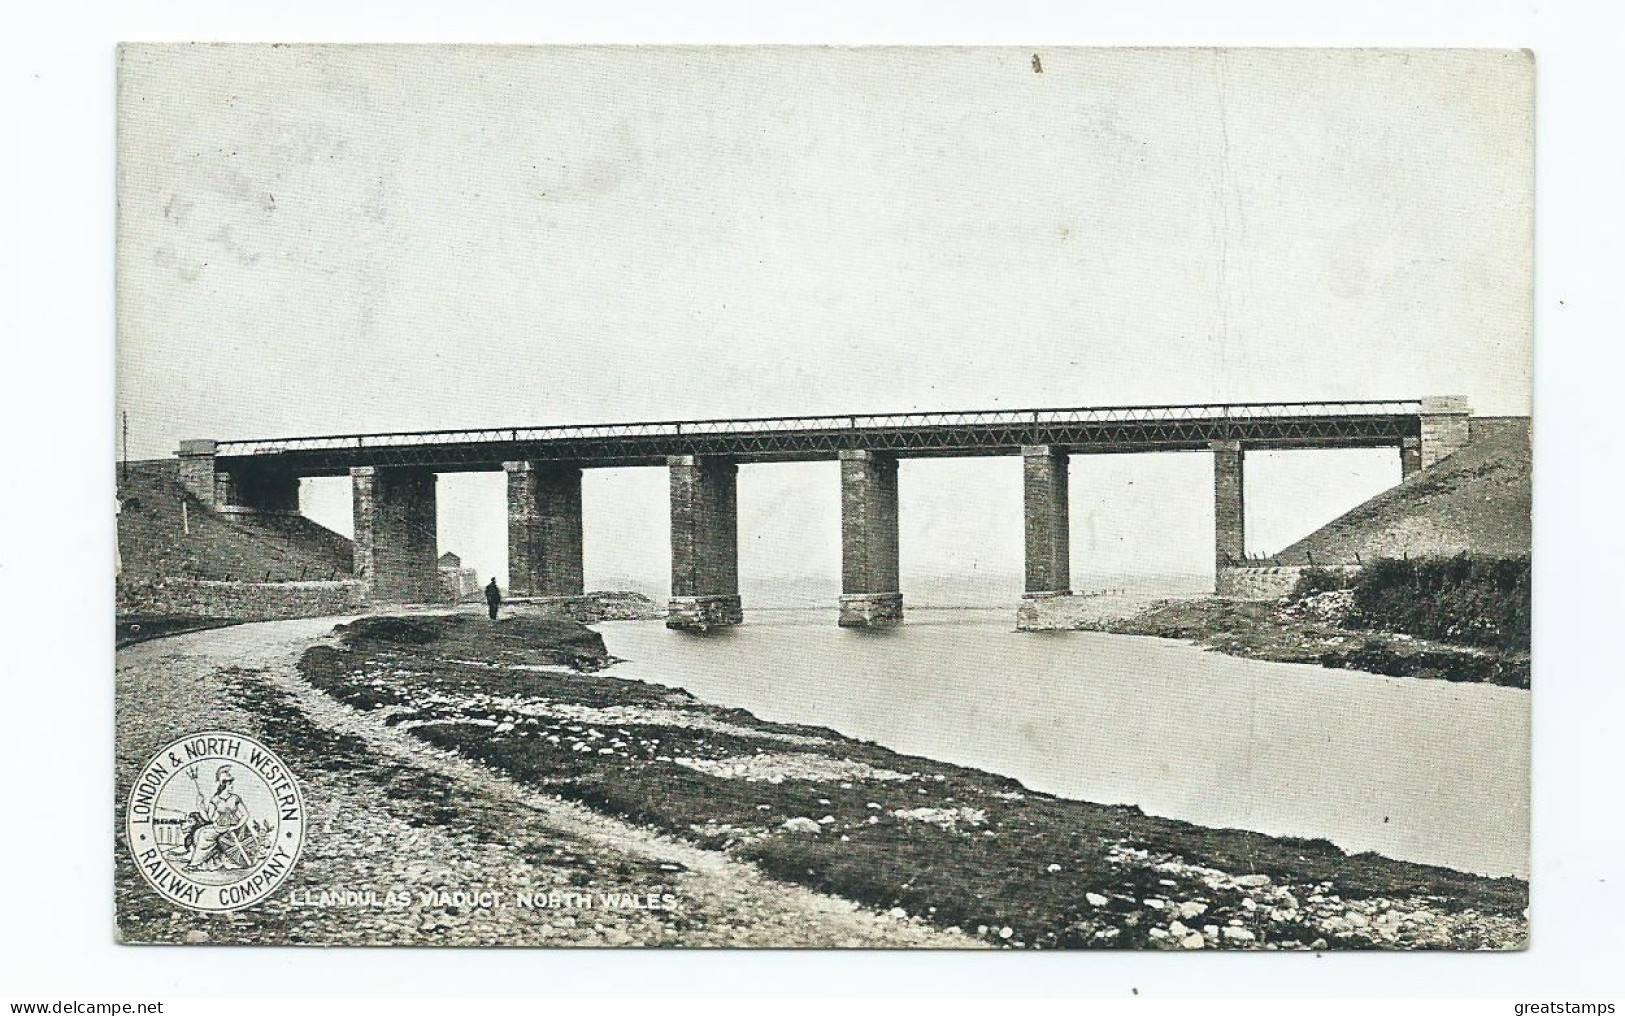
[[1461, 618], [166, 534], [954, 846]]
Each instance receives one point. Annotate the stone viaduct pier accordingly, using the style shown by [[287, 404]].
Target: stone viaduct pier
[[393, 477]]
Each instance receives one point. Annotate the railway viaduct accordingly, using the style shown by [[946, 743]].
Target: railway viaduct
[[393, 478]]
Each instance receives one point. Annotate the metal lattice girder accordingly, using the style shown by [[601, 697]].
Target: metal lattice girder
[[1272, 425]]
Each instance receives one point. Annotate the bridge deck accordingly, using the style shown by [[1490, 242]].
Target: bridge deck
[[1366, 424]]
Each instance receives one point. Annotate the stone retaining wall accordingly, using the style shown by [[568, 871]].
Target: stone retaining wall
[[1266, 583], [590, 608], [240, 601]]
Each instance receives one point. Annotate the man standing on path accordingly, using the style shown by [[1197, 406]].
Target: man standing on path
[[493, 597]]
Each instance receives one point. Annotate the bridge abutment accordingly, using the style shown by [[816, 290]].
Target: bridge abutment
[[704, 543], [395, 540], [268, 491], [196, 469], [1229, 507], [1445, 427], [871, 593], [544, 529]]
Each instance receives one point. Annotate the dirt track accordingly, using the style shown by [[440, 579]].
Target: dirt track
[[390, 813]]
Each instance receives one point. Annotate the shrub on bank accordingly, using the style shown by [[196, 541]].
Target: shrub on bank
[[1470, 599], [1315, 579]]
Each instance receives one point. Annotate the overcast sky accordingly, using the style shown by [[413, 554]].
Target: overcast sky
[[317, 240]]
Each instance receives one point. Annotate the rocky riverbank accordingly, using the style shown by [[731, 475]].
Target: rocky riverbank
[[1311, 630], [407, 842], [969, 855]]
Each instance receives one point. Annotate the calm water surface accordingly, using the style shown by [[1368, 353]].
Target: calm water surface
[[1420, 770]]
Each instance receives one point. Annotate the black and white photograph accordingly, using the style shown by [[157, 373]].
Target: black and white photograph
[[978, 498]]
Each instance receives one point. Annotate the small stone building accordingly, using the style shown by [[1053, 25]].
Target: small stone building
[[458, 583]]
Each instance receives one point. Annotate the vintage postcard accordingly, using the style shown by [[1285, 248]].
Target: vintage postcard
[[973, 498]]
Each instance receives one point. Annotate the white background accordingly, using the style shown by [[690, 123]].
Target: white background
[[56, 334]]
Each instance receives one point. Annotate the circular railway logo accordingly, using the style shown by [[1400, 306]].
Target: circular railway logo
[[215, 821]]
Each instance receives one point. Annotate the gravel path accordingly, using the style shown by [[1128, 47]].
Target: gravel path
[[390, 814]]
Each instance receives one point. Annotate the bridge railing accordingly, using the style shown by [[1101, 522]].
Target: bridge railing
[[854, 423]]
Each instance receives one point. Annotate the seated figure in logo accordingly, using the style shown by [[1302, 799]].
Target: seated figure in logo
[[220, 836]]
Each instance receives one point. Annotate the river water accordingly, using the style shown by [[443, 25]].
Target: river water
[[1420, 770]]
